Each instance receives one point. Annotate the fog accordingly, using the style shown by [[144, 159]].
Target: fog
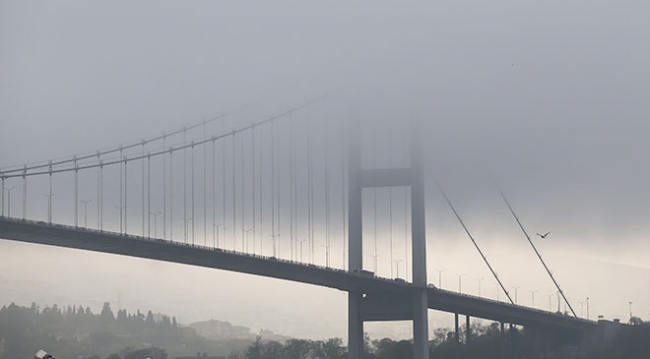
[[550, 98]]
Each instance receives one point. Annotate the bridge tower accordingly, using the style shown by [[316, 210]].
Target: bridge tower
[[387, 306]]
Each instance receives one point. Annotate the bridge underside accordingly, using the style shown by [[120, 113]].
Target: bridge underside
[[384, 299]]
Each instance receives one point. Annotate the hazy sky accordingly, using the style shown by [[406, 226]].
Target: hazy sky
[[552, 97]]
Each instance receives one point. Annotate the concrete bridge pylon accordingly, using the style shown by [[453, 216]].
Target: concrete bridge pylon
[[386, 306]]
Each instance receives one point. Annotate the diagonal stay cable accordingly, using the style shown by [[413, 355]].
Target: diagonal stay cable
[[474, 242], [534, 248]]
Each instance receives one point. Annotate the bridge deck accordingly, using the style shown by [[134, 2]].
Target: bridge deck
[[169, 251]]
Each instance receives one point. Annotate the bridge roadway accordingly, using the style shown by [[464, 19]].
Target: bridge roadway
[[176, 252]]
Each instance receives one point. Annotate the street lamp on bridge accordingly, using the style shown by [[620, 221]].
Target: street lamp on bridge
[[155, 224], [85, 203], [440, 277], [630, 309], [479, 285], [246, 238], [397, 262], [300, 241], [9, 200], [550, 305], [532, 293], [515, 288], [49, 206], [215, 234], [460, 282]]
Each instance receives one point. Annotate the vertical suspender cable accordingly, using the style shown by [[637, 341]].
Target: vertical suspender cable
[[205, 210], [171, 193], [273, 189], [261, 202], [234, 197], [406, 226], [192, 178], [279, 194], [149, 196], [390, 231], [343, 203], [253, 182], [49, 199], [291, 186], [164, 189], [374, 194], [144, 212], [310, 194], [25, 192], [184, 189], [121, 195], [374, 203], [295, 198], [214, 195], [241, 189], [223, 182], [126, 206], [327, 199], [76, 192], [3, 196], [100, 195]]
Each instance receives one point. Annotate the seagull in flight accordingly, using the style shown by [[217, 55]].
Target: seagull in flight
[[543, 235]]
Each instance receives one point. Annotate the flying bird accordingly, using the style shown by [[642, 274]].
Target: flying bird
[[543, 235]]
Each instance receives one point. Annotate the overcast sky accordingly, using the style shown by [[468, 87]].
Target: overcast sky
[[551, 97]]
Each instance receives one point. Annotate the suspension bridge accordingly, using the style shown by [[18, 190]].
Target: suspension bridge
[[285, 197]]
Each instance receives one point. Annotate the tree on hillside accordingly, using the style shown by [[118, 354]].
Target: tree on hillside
[[106, 316]]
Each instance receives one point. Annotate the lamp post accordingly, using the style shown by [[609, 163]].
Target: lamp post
[[532, 293], [327, 254], [582, 309], [246, 236], [155, 223], [516, 287], [460, 282], [630, 309], [550, 305], [9, 200], [215, 238], [587, 300], [186, 233], [49, 207], [85, 203], [479, 285], [397, 262], [300, 241], [440, 277]]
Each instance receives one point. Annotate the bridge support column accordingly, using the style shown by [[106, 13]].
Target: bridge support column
[[355, 326], [419, 249], [355, 244], [502, 339], [468, 331], [513, 344], [456, 334], [420, 325]]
